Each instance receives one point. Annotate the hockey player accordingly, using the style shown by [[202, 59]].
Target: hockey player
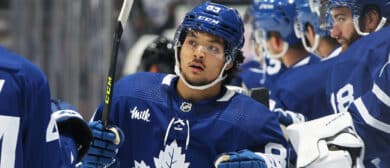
[[305, 95], [372, 121], [313, 25], [274, 30], [158, 56], [357, 136], [28, 135], [356, 67], [189, 119], [355, 18]]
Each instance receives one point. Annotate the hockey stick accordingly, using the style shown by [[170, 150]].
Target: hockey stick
[[121, 24]]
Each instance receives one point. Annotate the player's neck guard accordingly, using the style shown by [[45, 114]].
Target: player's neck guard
[[278, 55], [314, 47], [356, 25]]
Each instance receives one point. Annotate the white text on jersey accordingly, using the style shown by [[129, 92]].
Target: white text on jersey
[[140, 115]]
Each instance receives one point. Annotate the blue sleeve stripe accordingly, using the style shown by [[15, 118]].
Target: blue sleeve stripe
[[369, 119]]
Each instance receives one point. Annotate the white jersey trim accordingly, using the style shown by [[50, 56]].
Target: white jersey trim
[[384, 66], [257, 70], [228, 95], [167, 79], [305, 61], [333, 54], [370, 120], [381, 95]]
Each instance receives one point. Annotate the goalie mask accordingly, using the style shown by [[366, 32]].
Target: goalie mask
[[274, 16], [357, 8], [217, 20]]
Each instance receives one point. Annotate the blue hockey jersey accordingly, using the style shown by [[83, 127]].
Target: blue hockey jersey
[[302, 90], [274, 69], [273, 82], [28, 136], [371, 119], [353, 73], [163, 130]]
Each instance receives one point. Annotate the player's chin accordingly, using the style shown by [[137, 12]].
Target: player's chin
[[199, 83], [196, 80]]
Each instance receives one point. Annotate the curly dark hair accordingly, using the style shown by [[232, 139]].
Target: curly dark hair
[[231, 73]]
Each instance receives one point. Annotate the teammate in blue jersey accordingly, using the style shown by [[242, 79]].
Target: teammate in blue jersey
[[313, 26], [190, 119], [274, 68], [300, 92], [28, 135], [274, 30], [352, 74], [357, 138], [361, 135], [372, 120]]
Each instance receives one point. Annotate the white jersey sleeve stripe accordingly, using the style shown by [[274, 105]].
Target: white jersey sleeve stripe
[[384, 66], [370, 120], [381, 95]]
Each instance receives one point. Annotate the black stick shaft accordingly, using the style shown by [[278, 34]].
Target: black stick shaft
[[111, 74]]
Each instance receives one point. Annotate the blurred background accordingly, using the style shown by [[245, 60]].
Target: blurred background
[[70, 40]]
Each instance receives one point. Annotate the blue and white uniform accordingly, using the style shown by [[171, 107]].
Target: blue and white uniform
[[352, 75], [160, 127], [372, 120], [302, 91], [28, 135]]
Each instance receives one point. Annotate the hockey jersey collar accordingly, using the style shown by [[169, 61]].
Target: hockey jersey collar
[[226, 95]]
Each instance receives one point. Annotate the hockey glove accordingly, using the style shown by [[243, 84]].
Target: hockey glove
[[244, 159], [103, 150]]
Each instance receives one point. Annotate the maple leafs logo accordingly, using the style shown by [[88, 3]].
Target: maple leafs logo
[[141, 164], [171, 157]]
